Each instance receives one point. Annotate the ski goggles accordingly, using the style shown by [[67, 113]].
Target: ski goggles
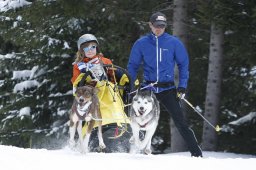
[[86, 49]]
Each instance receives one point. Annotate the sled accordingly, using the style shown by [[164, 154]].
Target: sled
[[113, 95]]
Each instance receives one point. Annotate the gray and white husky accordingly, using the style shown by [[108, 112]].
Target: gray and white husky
[[144, 113]]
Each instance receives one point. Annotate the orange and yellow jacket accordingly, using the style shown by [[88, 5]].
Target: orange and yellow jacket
[[76, 71]]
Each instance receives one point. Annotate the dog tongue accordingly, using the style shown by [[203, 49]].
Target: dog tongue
[[82, 103], [141, 112]]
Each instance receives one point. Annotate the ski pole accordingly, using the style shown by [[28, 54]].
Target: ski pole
[[217, 128]]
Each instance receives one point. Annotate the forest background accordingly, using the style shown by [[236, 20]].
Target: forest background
[[38, 45]]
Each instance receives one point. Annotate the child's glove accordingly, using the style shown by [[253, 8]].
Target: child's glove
[[74, 90], [84, 67]]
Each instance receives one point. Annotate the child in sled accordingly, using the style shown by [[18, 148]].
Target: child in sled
[[88, 70]]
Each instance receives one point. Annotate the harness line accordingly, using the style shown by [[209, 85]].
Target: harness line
[[149, 85]]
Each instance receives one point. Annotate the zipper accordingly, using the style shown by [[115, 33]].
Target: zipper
[[157, 71]]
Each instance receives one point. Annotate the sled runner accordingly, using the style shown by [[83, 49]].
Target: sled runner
[[113, 95]]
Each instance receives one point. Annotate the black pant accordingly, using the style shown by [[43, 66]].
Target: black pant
[[169, 100]]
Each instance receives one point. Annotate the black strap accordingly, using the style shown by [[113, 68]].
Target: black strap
[[83, 80], [161, 84]]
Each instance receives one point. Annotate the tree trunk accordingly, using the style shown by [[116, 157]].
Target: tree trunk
[[213, 90], [180, 30]]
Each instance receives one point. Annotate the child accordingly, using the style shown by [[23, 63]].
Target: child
[[89, 60]]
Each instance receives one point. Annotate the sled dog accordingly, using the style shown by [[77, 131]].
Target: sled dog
[[144, 113], [85, 108]]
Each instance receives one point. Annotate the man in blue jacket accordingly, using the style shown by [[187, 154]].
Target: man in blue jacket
[[158, 52]]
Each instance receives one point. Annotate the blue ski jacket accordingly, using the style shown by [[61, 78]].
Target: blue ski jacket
[[158, 56]]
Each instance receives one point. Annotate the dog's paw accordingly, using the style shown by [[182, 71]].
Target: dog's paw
[[132, 140], [84, 150], [134, 149], [147, 151], [88, 118], [102, 146], [138, 144], [72, 144]]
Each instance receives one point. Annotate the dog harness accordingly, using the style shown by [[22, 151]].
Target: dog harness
[[83, 112], [145, 124]]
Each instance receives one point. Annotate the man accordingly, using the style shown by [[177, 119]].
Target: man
[[158, 52]]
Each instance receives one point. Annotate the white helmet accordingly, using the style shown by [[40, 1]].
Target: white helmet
[[86, 38]]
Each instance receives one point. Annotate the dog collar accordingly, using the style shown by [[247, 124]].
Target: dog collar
[[82, 113], [143, 126], [84, 108]]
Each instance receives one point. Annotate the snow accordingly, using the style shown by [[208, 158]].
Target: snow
[[61, 112], [229, 113], [8, 117], [52, 41], [68, 93], [253, 71], [14, 158], [245, 119], [65, 55], [6, 5], [7, 56], [24, 74], [74, 23], [1, 83], [25, 111], [66, 46], [25, 85]]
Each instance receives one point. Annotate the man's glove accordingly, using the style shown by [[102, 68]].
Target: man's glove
[[181, 92]]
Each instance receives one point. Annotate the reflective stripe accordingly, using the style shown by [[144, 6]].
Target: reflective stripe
[[161, 54]]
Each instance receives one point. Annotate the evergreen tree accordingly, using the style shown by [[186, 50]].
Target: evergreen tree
[[232, 16]]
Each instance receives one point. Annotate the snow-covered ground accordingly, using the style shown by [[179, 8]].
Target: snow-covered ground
[[13, 158]]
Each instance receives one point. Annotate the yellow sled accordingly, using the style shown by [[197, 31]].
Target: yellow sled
[[111, 106], [111, 102]]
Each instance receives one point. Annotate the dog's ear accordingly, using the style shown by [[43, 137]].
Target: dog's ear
[[139, 88], [135, 98], [95, 90], [151, 93], [137, 91]]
